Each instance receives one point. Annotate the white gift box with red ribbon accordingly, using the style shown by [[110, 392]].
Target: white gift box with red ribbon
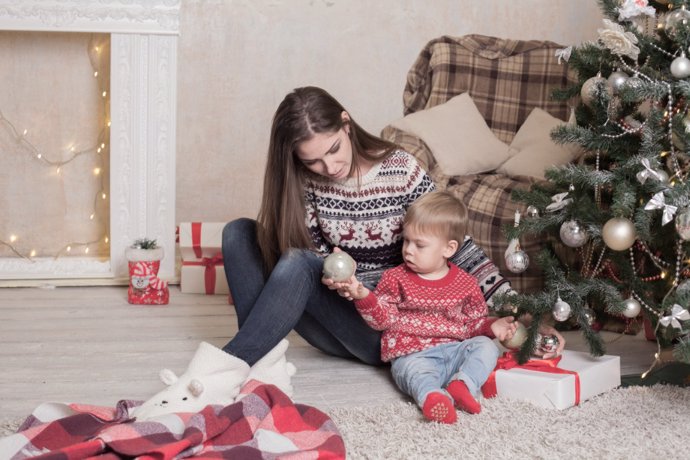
[[202, 270], [559, 383]]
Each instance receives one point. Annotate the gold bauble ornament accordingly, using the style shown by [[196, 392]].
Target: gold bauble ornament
[[618, 233]]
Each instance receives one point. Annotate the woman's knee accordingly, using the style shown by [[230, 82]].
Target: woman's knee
[[238, 229]]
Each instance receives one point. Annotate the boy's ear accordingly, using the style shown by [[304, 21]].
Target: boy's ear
[[451, 248]]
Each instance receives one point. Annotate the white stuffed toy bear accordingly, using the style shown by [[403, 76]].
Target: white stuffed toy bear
[[215, 377]]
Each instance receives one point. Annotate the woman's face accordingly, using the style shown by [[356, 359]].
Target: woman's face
[[328, 154]]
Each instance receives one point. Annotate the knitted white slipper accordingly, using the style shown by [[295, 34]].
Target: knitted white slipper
[[275, 369], [212, 377]]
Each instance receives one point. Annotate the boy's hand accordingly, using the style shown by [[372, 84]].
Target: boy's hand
[[504, 328], [351, 289]]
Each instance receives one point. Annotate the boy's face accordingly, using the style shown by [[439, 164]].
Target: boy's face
[[426, 253]]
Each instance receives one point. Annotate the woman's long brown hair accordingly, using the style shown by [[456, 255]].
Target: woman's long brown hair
[[304, 112]]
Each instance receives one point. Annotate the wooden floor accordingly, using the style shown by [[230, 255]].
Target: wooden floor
[[88, 345]]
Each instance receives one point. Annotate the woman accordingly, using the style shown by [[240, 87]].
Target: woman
[[328, 184]]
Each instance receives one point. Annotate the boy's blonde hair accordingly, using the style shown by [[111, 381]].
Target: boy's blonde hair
[[439, 213]]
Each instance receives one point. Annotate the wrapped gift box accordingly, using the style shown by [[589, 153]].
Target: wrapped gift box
[[203, 278], [200, 239], [560, 390]]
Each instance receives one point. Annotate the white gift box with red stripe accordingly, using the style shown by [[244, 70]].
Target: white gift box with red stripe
[[202, 270], [555, 384]]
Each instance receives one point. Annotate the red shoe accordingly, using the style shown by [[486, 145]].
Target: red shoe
[[463, 398], [439, 408]]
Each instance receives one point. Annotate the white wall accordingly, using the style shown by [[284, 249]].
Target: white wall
[[238, 59]]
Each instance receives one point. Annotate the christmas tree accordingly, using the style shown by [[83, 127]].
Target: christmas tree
[[616, 223]]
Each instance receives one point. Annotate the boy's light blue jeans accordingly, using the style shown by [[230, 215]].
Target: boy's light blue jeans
[[421, 373]]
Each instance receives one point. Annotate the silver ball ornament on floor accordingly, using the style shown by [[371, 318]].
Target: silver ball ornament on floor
[[547, 343], [680, 67], [632, 308], [573, 234], [517, 262], [561, 310], [618, 233], [339, 266], [590, 315]]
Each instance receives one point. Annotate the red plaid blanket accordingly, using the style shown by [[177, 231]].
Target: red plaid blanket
[[264, 424]]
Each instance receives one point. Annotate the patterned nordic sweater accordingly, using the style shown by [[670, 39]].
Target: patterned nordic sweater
[[365, 220], [415, 313]]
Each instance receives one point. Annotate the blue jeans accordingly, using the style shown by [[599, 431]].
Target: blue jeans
[[291, 297], [471, 361]]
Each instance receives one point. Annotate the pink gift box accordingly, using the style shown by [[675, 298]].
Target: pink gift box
[[585, 377]]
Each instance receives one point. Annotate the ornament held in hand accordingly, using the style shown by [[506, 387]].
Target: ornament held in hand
[[339, 267], [516, 341]]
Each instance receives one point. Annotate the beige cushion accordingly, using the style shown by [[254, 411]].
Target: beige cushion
[[458, 136], [532, 150]]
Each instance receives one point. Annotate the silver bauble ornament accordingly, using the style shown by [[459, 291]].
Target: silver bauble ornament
[[590, 88], [633, 83], [632, 308], [683, 288], [618, 233], [680, 67], [532, 211], [573, 234], [547, 343], [683, 224], [561, 310], [616, 80], [590, 315], [518, 338], [517, 262], [676, 20], [339, 267]]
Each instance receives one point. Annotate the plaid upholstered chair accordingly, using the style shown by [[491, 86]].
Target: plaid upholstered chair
[[506, 80]]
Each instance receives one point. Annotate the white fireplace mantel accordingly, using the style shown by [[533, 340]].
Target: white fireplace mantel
[[143, 81]]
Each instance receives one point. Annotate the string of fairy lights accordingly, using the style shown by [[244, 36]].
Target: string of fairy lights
[[98, 52]]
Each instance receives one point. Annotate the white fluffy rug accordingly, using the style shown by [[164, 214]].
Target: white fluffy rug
[[634, 422]]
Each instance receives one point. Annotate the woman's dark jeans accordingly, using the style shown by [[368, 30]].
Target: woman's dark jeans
[[292, 297]]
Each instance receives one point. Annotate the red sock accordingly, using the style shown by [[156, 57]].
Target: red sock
[[463, 398], [439, 408]]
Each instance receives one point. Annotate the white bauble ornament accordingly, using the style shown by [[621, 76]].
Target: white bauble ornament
[[517, 262], [339, 267], [632, 308], [683, 224], [589, 89], [618, 233], [680, 67], [518, 338], [616, 80], [561, 310], [532, 211], [573, 234]]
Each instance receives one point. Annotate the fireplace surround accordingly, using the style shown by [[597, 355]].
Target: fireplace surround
[[143, 40]]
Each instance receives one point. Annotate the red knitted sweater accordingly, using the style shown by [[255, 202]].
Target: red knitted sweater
[[415, 313]]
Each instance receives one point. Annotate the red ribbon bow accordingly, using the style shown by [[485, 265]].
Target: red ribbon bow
[[508, 361], [210, 272]]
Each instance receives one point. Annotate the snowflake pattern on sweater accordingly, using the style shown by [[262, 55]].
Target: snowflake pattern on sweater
[[415, 313]]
